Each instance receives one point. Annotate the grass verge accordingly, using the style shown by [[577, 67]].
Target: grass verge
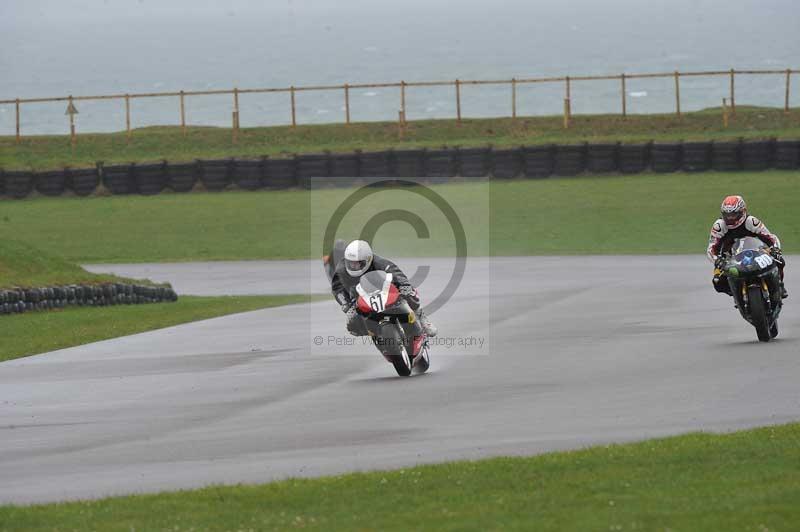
[[156, 143], [23, 265], [40, 332], [747, 480], [648, 213]]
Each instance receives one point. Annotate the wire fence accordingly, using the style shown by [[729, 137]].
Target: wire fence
[[513, 84]]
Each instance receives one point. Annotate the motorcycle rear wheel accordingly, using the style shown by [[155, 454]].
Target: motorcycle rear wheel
[[758, 313]]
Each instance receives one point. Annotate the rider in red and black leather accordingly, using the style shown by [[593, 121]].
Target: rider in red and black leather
[[359, 260], [735, 223]]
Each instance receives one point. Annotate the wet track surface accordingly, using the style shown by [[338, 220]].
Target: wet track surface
[[575, 351]]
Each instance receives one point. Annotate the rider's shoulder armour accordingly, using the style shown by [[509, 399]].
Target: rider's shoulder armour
[[753, 224], [719, 229]]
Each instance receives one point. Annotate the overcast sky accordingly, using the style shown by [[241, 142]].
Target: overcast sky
[[67, 11]]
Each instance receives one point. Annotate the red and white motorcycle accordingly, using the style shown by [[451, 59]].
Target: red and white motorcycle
[[392, 324]]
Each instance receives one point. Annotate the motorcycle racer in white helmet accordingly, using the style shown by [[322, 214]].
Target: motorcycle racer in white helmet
[[359, 259], [736, 223]]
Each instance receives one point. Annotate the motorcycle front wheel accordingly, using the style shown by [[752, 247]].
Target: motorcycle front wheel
[[396, 350], [758, 313], [423, 362]]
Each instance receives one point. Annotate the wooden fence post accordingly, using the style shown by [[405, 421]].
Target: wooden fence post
[[403, 99], [677, 93], [624, 103], [128, 117], [71, 113], [236, 104], [347, 103], [401, 121], [458, 101], [514, 98], [568, 89], [183, 115], [235, 117], [294, 109], [725, 113], [786, 99], [733, 95], [567, 102], [19, 136]]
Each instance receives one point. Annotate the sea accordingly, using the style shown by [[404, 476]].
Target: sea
[[55, 48]]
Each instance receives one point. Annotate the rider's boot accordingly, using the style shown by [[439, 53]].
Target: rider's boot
[[721, 284], [781, 266], [419, 343], [430, 328]]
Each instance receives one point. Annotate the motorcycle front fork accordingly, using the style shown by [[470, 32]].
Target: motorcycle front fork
[[771, 285]]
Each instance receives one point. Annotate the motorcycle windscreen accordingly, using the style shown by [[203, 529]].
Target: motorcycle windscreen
[[746, 243], [750, 256], [373, 281]]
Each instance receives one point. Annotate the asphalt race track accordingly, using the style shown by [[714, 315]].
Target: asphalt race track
[[576, 351]]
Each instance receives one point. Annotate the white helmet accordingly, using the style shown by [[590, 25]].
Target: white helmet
[[357, 257]]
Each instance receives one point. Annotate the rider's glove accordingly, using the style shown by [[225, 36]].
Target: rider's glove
[[342, 299], [777, 254], [719, 263], [352, 317], [410, 294], [351, 313]]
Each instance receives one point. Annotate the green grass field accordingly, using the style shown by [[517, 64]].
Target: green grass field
[[648, 213], [40, 332], [156, 143], [24, 265], [746, 480]]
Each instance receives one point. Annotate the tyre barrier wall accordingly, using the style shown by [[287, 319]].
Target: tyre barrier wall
[[635, 158], [602, 158], [17, 300], [409, 163], [538, 161], [569, 160], [725, 156], [666, 157], [696, 156], [435, 165], [787, 154], [475, 162], [506, 163]]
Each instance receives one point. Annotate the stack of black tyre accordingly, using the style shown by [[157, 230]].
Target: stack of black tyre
[[538, 161], [437, 165], [18, 184], [787, 154], [17, 300], [474, 162]]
